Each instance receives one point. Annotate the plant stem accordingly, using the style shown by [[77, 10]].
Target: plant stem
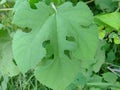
[[117, 10], [111, 64], [53, 6], [89, 1], [114, 71], [6, 9], [100, 84]]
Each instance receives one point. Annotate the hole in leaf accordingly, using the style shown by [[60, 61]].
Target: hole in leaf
[[1, 80], [83, 26], [46, 43], [52, 56], [67, 53], [33, 6], [49, 56], [27, 30], [32, 3], [70, 38], [14, 62]]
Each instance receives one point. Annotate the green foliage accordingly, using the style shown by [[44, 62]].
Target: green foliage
[[111, 23], [111, 19], [99, 57], [4, 1], [56, 29], [4, 83], [59, 44], [6, 55], [110, 77], [106, 5], [32, 3]]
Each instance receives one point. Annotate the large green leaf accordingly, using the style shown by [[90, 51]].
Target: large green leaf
[[7, 67], [27, 48], [60, 43]]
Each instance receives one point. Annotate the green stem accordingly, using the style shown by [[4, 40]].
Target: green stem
[[53, 6], [100, 84], [89, 1], [117, 10], [6, 9]]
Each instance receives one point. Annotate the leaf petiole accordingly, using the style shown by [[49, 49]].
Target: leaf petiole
[[53, 6]]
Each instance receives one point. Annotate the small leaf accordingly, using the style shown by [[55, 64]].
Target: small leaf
[[111, 19], [95, 78], [102, 34], [99, 57], [111, 56], [110, 77], [117, 40]]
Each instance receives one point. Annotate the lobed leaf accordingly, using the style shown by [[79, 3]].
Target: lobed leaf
[[60, 43]]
